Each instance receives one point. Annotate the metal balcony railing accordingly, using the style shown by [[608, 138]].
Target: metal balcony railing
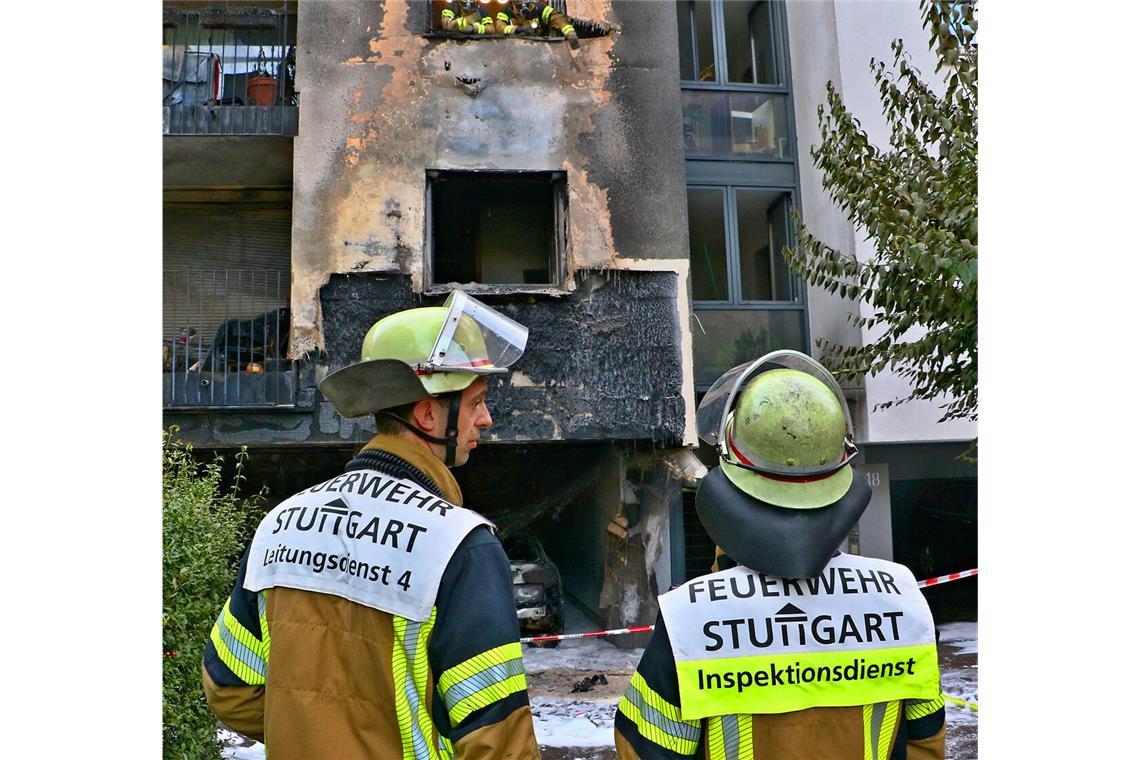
[[226, 339], [228, 71]]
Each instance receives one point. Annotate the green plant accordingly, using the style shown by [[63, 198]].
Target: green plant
[[917, 200], [204, 525]]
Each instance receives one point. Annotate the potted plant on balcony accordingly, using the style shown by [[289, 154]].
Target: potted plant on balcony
[[261, 88]]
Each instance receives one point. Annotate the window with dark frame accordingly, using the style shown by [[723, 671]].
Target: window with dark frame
[[496, 228], [737, 131]]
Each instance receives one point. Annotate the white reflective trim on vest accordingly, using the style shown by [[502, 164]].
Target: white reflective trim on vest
[[848, 621], [364, 536]]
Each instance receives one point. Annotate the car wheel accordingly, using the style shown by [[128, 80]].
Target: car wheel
[[558, 627]]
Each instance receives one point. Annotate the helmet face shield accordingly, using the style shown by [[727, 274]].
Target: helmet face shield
[[475, 338]]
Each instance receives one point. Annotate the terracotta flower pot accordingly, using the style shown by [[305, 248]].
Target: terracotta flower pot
[[262, 90]]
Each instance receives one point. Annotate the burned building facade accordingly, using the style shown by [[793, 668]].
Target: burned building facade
[[625, 200]]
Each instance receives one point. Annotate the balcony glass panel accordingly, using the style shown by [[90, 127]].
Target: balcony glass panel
[[745, 125], [723, 338]]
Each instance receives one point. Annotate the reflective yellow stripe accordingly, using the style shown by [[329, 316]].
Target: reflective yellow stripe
[[567, 29], [716, 739], [510, 29], [879, 722], [504, 17], [744, 726], [409, 678], [730, 737], [240, 649], [916, 710], [462, 23], [482, 680], [657, 719], [546, 13], [448, 13], [887, 734]]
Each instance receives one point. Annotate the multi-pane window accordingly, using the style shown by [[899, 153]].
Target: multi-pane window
[[740, 158], [730, 42], [736, 239]]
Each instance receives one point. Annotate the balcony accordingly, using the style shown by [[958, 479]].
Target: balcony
[[229, 71], [226, 339]]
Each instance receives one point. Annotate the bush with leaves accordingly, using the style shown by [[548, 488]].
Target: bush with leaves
[[204, 527], [918, 202]]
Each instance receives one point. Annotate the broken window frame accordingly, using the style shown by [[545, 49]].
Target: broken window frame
[[557, 258]]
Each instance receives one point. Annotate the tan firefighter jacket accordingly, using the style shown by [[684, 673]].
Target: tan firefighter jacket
[[549, 23], [648, 723], [348, 681]]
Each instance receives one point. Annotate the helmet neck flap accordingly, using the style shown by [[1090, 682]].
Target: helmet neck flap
[[789, 543]]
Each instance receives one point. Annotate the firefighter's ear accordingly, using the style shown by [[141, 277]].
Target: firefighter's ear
[[426, 415]]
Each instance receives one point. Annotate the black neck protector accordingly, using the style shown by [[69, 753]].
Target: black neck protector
[[452, 430], [788, 543]]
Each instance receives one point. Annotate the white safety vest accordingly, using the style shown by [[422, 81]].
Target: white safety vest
[[365, 536], [746, 643]]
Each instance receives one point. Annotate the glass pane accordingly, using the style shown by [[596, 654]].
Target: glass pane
[[732, 336], [749, 42], [735, 125], [780, 225], [708, 257], [761, 223], [695, 40]]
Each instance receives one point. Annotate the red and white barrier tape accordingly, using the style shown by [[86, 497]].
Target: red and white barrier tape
[[947, 578], [592, 634], [649, 628]]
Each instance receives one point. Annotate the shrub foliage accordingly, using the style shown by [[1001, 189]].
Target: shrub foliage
[[204, 526]]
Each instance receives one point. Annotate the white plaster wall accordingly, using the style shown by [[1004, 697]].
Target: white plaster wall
[[863, 29]]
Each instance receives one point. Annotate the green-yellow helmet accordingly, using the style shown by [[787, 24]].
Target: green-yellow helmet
[[783, 430], [417, 353]]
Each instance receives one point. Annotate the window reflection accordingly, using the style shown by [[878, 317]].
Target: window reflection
[[735, 125]]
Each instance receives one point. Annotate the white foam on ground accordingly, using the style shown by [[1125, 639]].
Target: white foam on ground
[[570, 723]]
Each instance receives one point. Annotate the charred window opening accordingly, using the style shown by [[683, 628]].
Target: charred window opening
[[496, 228]]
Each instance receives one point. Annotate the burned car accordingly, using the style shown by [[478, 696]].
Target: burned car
[[538, 587]]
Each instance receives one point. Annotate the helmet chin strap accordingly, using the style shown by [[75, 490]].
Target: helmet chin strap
[[451, 432]]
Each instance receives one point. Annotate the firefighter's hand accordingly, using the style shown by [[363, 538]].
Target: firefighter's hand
[[573, 40]]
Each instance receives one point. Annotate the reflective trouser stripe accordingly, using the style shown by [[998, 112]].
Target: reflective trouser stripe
[[730, 737], [568, 29], [916, 710], [238, 648], [879, 722], [510, 29], [448, 13], [657, 719], [546, 13], [482, 680], [504, 17], [409, 676]]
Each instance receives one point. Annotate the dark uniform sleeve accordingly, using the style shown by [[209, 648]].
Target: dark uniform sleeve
[[922, 735], [648, 723], [476, 657], [236, 657]]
